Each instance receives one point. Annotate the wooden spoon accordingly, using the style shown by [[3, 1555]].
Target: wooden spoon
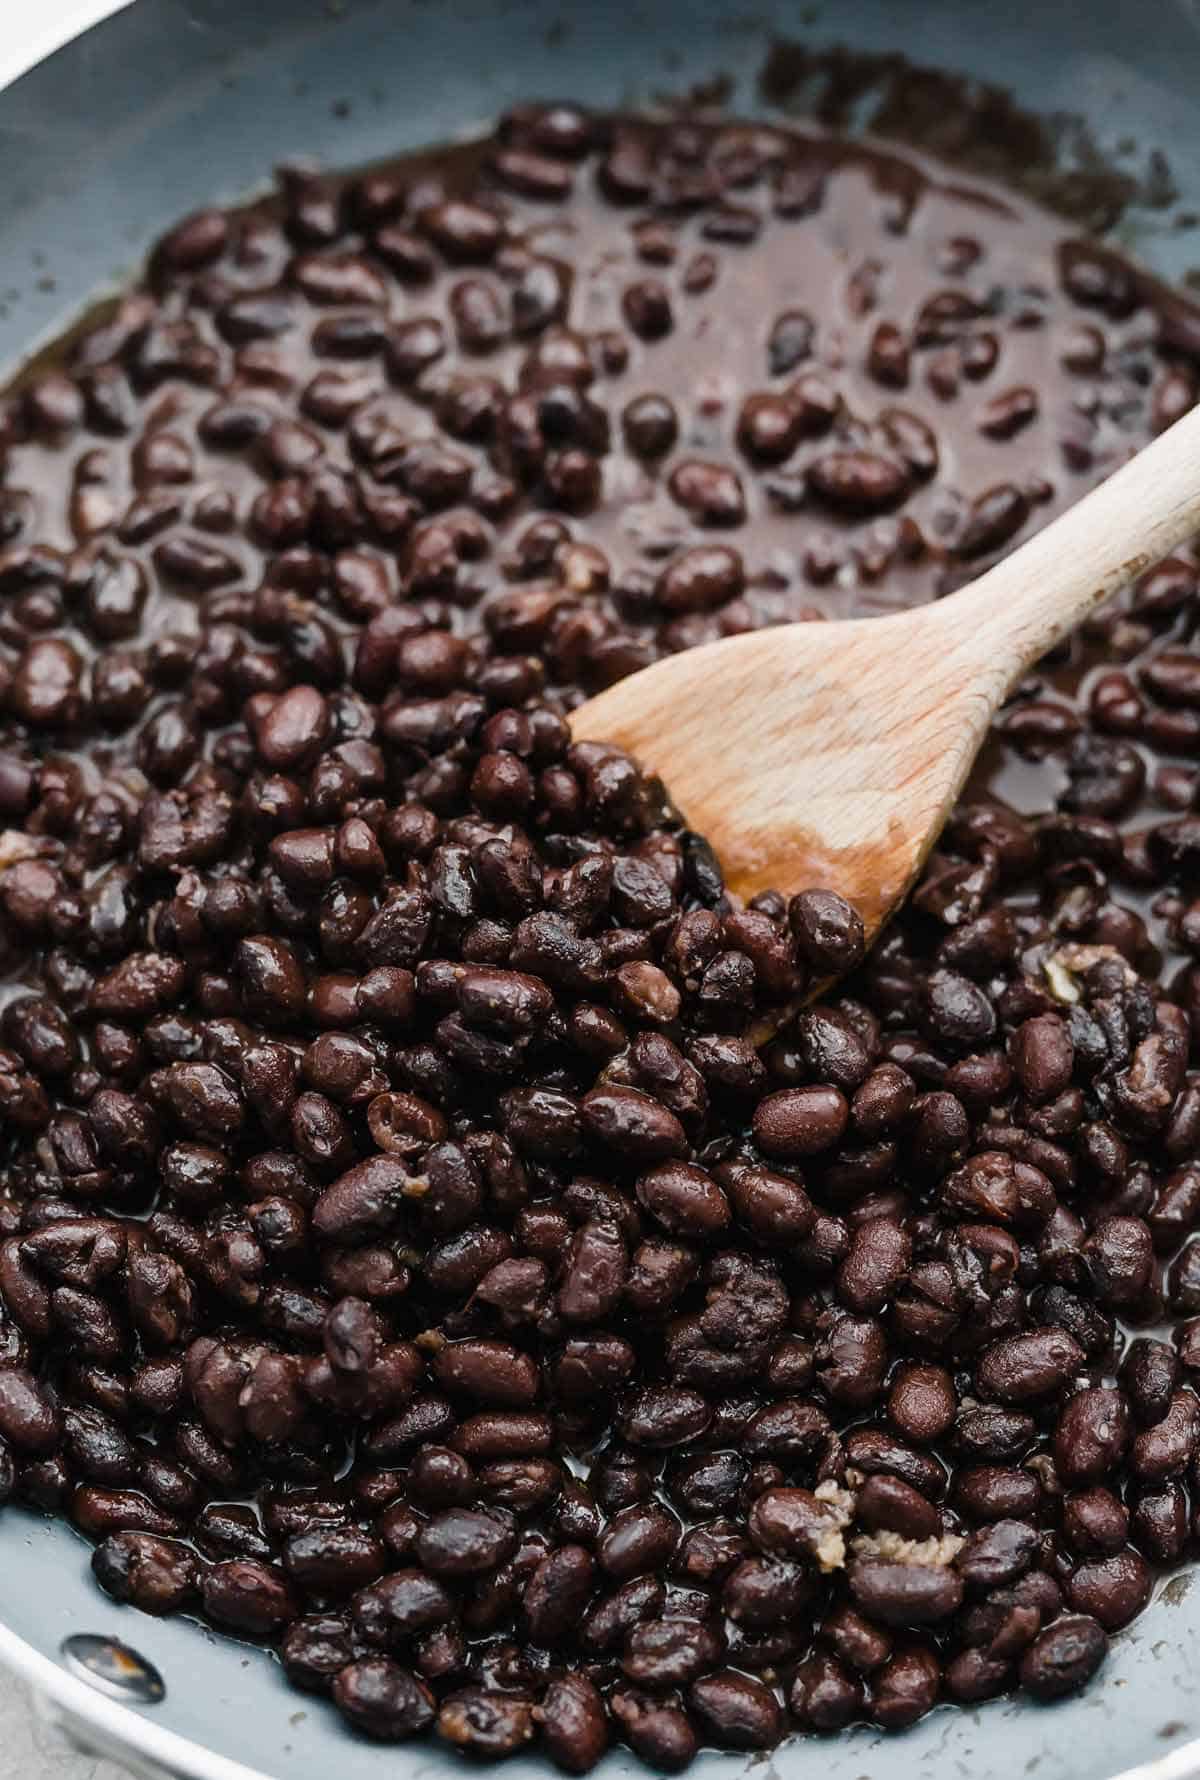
[[831, 754]]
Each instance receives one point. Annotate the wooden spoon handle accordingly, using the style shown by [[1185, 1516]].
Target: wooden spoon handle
[[1011, 615]]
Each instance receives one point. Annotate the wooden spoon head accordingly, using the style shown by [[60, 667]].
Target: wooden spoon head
[[812, 755]]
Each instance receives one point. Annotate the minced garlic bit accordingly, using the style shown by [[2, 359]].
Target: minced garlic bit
[[830, 1549], [16, 845], [1065, 963], [1061, 983], [925, 1554], [839, 1499]]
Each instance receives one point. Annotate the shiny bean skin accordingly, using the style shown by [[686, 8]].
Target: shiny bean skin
[[1063, 1657], [737, 1711], [28, 1419], [1111, 1589], [574, 1723], [247, 1596], [157, 1575], [658, 1731], [383, 1700], [904, 1594]]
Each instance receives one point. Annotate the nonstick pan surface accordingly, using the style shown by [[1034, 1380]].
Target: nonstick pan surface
[[168, 105]]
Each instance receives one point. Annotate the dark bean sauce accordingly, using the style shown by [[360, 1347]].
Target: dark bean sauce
[[407, 1258]]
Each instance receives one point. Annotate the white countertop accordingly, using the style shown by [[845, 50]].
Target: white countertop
[[30, 1750], [31, 29]]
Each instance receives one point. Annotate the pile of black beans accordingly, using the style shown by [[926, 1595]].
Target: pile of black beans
[[436, 1238]]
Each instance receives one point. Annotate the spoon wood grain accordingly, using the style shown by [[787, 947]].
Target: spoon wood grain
[[831, 754]]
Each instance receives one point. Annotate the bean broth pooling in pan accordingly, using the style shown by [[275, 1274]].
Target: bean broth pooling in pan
[[406, 1258]]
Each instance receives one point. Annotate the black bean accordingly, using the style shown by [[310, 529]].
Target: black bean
[[1093, 1434], [904, 1594], [1165, 1449], [824, 1695], [607, 1622], [762, 1594], [365, 1201], [792, 1523], [29, 1420], [247, 1596], [906, 1687], [656, 1730], [157, 1575], [799, 1122], [921, 1402], [489, 1372], [1022, 1367], [574, 1723], [640, 1539], [997, 1492], [1111, 1589], [400, 1606], [828, 930], [880, 1252], [996, 1555], [1159, 1524], [1149, 1374], [665, 1653], [889, 1504], [489, 1725], [557, 1593], [1094, 1521], [464, 1542], [315, 1650], [737, 1711], [333, 1560], [1063, 1657], [634, 1126], [383, 1700]]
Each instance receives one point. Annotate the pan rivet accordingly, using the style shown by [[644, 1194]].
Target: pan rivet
[[113, 1668]]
